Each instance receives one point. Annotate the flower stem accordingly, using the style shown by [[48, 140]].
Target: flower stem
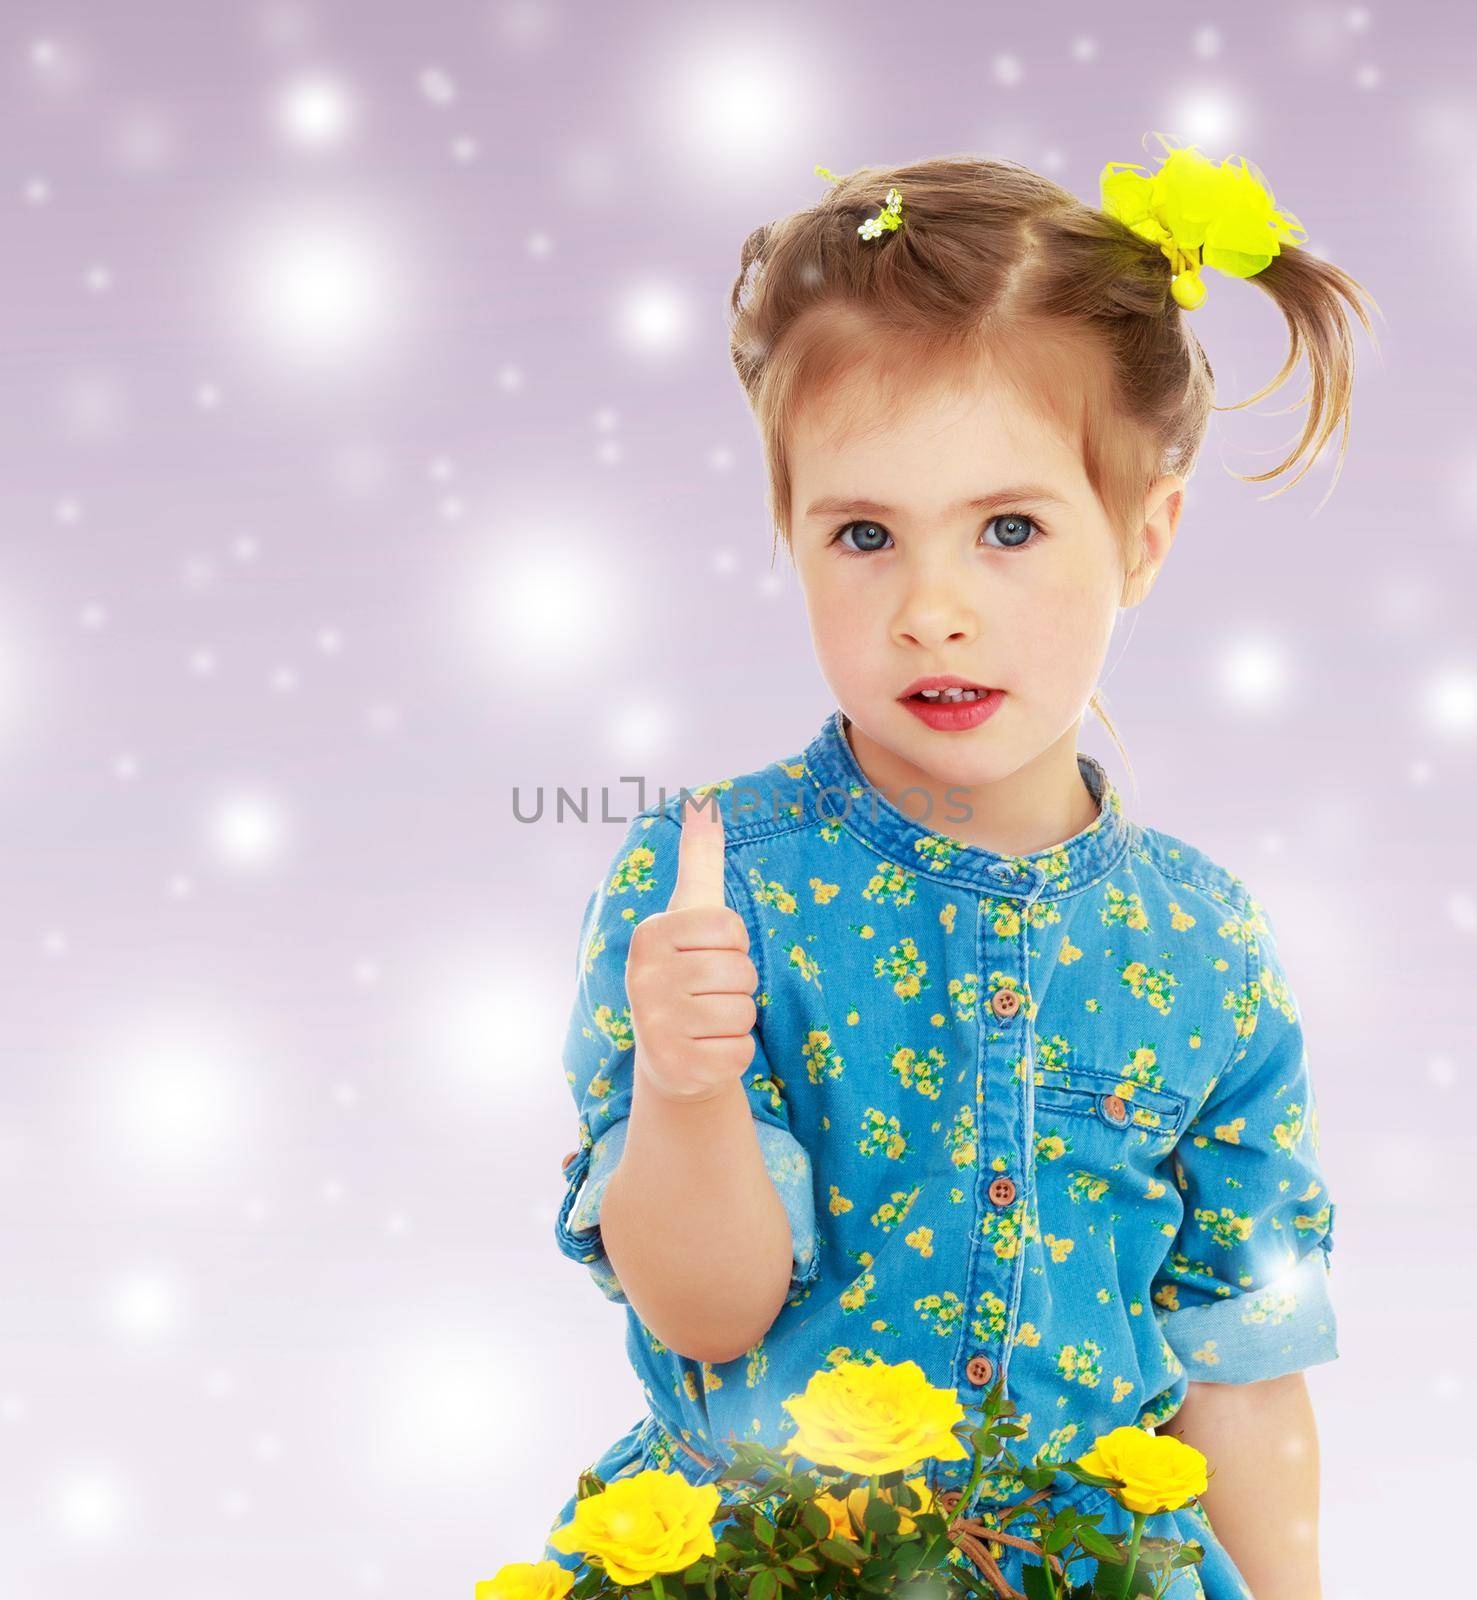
[[976, 1472], [1139, 1518], [656, 1586], [1122, 1585], [1042, 1529], [971, 1580], [871, 1496]]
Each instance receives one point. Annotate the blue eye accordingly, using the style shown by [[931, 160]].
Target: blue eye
[[1024, 532], [851, 549]]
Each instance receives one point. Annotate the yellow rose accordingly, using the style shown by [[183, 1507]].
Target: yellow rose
[[873, 1418], [1157, 1472], [841, 1509], [526, 1580], [650, 1522], [835, 1507], [919, 1485]]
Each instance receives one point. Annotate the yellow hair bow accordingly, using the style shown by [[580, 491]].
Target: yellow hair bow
[[1200, 214]]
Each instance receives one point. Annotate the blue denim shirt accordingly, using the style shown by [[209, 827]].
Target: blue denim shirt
[[1046, 1118]]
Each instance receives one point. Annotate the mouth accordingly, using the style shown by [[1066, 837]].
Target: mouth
[[946, 691]]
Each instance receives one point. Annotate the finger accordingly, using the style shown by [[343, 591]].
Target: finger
[[699, 856], [717, 1016], [711, 970], [711, 1067]]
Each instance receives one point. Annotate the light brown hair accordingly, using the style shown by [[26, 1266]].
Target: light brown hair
[[996, 268]]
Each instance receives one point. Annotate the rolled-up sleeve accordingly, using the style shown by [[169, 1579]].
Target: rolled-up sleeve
[[599, 1060], [1243, 1293]]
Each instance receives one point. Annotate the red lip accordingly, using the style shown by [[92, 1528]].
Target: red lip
[[942, 680]]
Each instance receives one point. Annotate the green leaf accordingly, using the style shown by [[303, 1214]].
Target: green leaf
[[764, 1532], [1100, 1545], [842, 1551], [804, 1563], [876, 1574], [1059, 1535], [1034, 1581], [764, 1587], [881, 1517], [815, 1521], [1155, 1552], [906, 1562]]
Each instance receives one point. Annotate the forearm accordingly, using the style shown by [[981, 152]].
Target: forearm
[[693, 1226], [1261, 1444]]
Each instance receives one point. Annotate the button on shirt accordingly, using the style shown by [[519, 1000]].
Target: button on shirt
[[1044, 1119]]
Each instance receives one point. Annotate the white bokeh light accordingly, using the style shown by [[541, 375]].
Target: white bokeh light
[[146, 1306], [535, 608], [480, 1031], [88, 1507], [1253, 674], [144, 140], [589, 174], [437, 86], [1461, 908], [1316, 36], [635, 733], [248, 831], [316, 111], [525, 24], [170, 1097], [1007, 70], [359, 469], [1209, 118], [1448, 702], [283, 24], [317, 289], [731, 101], [91, 406], [19, 695], [441, 1408], [59, 66], [653, 318]]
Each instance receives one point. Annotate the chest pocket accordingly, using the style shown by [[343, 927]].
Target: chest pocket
[[1138, 1114]]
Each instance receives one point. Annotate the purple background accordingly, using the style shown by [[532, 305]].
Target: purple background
[[369, 447]]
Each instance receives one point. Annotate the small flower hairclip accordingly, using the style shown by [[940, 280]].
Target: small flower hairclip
[[890, 216]]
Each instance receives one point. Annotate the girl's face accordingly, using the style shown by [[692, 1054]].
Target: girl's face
[[904, 577]]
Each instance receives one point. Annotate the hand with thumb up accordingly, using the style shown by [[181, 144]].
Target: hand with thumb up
[[689, 978]]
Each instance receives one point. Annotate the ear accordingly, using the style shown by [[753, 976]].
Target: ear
[[1162, 507]]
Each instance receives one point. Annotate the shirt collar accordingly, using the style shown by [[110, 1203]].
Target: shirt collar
[[1059, 870]]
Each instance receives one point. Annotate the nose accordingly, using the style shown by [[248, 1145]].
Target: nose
[[933, 611]]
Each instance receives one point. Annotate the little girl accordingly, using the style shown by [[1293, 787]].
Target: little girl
[[912, 1045]]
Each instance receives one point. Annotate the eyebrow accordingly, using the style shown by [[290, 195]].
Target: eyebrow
[[837, 505]]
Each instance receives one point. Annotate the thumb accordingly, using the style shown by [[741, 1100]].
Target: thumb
[[699, 856]]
